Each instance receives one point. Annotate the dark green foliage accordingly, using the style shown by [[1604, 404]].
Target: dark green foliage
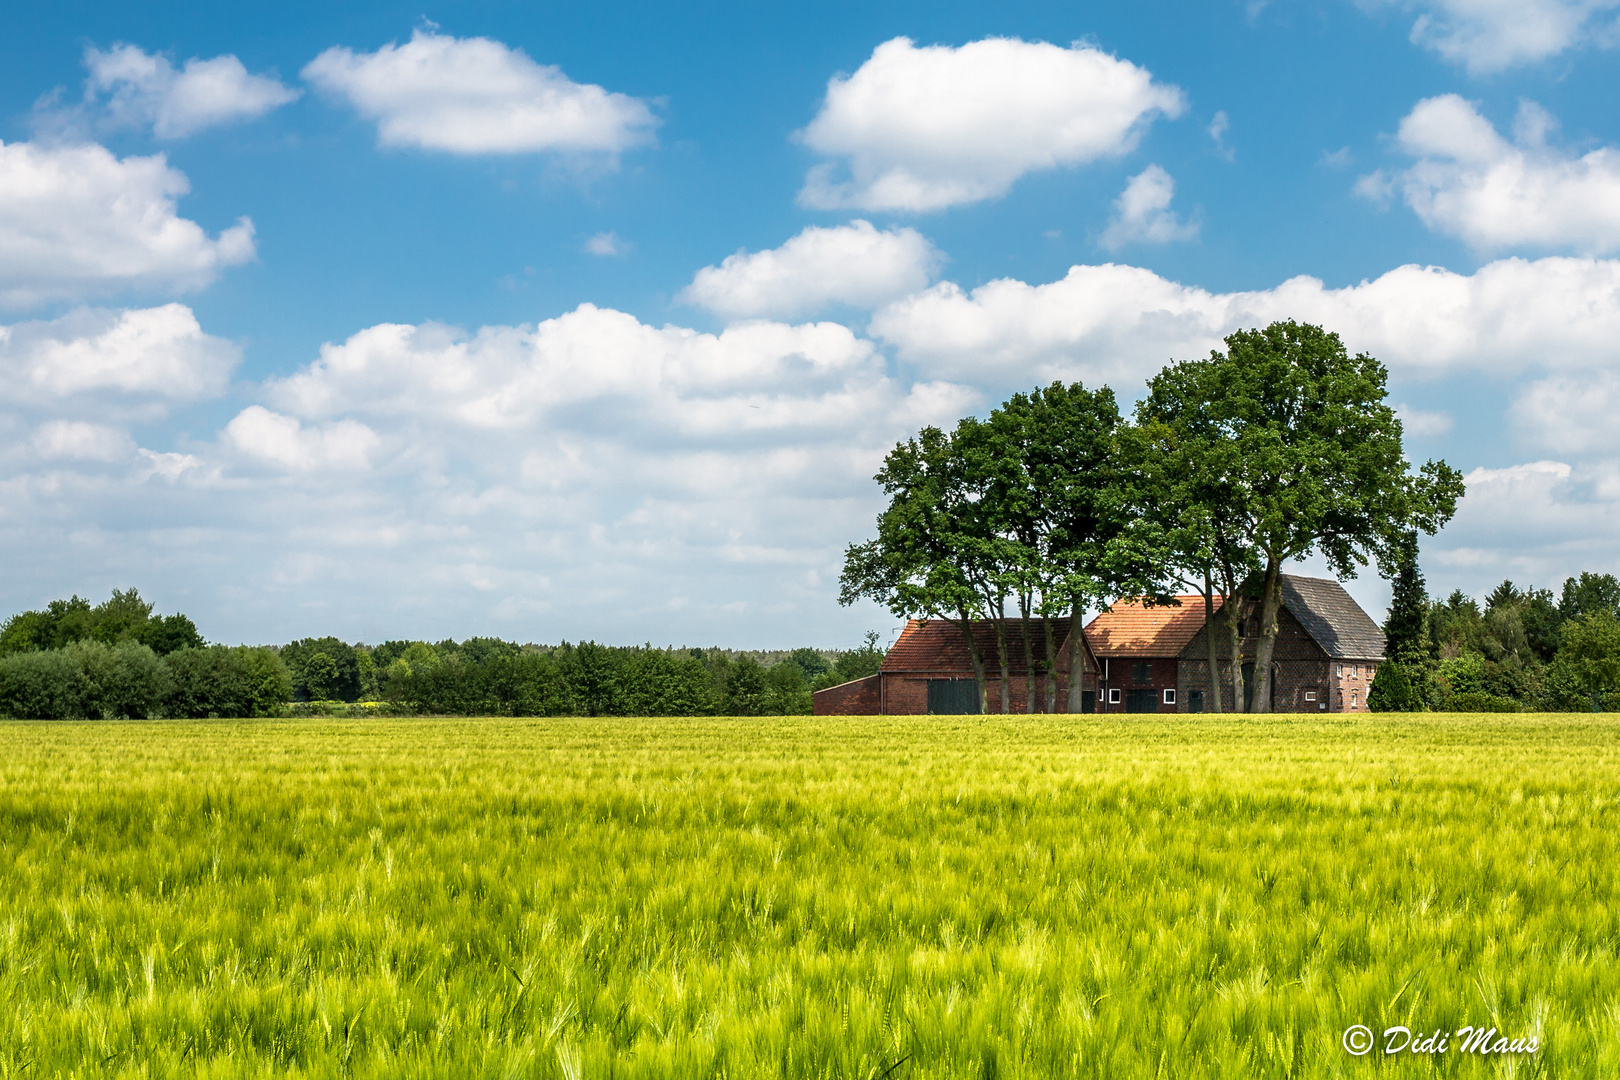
[[745, 687], [85, 680], [1297, 450], [1589, 659], [587, 679], [220, 681], [123, 617], [1392, 689], [323, 669], [1477, 703], [1404, 628], [811, 664], [169, 633], [1590, 594]]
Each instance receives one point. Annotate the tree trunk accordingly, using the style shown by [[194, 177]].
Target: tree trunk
[[1001, 655], [1029, 653], [1270, 601], [1233, 623], [973, 654], [1077, 656], [1051, 666], [1209, 640]]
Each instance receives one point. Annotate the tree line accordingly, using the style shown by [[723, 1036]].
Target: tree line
[[1282, 446], [1520, 649], [117, 659]]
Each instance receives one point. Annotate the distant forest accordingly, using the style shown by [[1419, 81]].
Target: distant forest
[[1514, 649], [1518, 649], [118, 659]]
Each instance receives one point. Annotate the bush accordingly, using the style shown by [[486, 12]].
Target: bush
[[1392, 690], [87, 680], [1469, 703], [218, 681]]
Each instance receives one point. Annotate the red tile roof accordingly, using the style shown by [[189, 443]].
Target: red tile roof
[[938, 645], [1130, 629]]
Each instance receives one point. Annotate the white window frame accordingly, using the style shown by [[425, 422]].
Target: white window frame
[[1113, 695], [1310, 695], [1169, 696]]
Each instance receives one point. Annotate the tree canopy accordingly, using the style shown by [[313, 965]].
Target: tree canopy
[[1287, 447]]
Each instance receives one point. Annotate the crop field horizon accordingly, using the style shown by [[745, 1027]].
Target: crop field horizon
[[881, 897]]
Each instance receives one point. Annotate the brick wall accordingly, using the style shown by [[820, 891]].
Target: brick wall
[[1350, 688], [858, 698], [1121, 676], [906, 694]]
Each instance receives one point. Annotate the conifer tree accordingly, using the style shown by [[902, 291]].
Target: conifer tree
[[1404, 629]]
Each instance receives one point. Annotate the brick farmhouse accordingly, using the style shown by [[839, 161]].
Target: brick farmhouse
[[1135, 658], [929, 670]]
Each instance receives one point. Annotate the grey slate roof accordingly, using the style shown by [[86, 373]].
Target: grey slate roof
[[1328, 614]]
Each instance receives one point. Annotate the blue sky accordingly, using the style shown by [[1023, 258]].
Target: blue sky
[[595, 322]]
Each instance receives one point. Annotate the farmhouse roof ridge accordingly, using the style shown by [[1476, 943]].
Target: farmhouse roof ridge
[[938, 645]]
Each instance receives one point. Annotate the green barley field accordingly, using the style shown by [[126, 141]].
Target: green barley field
[[808, 897]]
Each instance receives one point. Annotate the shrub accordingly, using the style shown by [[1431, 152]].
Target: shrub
[[1392, 690], [1468, 703], [87, 680], [217, 680]]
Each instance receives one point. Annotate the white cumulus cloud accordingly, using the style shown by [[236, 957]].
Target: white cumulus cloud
[[1471, 183], [921, 129], [1142, 213], [1122, 323], [77, 440], [77, 222], [478, 96], [283, 441], [131, 87], [159, 354], [1571, 414], [1492, 35], [855, 265]]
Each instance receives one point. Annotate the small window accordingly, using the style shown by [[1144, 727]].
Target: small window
[[1355, 671], [1354, 694], [1169, 697], [1113, 696], [1310, 695], [1341, 671], [1141, 671]]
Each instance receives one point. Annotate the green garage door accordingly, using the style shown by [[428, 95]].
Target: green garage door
[[953, 697], [1142, 700]]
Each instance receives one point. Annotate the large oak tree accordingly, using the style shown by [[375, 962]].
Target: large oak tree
[[1285, 445]]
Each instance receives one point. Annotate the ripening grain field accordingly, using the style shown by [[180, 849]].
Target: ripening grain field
[[784, 897]]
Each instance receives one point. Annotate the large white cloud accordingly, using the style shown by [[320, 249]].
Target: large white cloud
[[921, 129], [77, 222], [855, 265], [135, 88], [1537, 522], [1471, 183], [478, 96], [1490, 35], [1571, 414], [156, 354], [1122, 323], [588, 475]]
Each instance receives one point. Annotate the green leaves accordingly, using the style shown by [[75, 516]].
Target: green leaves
[[1286, 445]]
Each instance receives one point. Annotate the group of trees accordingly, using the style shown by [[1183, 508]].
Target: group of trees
[[1280, 447], [1520, 649], [118, 660], [491, 677]]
